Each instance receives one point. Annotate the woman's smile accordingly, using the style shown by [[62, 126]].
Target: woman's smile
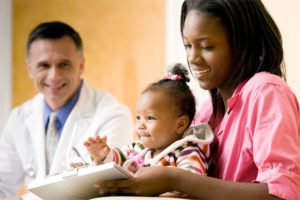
[[201, 73]]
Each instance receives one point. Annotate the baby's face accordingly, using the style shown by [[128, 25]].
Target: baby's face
[[156, 120]]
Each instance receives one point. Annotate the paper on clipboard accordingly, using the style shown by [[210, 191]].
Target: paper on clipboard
[[77, 184]]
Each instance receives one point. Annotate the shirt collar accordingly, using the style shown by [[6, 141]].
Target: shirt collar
[[232, 100], [63, 112]]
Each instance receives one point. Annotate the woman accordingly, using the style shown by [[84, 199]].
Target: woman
[[234, 50]]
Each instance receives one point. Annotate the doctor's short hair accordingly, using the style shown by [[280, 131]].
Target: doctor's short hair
[[174, 85], [54, 30]]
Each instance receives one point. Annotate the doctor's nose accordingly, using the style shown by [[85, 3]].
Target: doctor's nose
[[54, 73]]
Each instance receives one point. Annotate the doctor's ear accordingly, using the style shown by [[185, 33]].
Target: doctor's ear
[[82, 65], [182, 124], [29, 69]]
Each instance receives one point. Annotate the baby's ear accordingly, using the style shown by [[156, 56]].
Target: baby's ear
[[182, 124]]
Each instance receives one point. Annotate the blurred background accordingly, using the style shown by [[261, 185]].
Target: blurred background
[[127, 44]]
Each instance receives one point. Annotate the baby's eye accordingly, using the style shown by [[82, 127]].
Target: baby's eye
[[151, 118], [138, 117]]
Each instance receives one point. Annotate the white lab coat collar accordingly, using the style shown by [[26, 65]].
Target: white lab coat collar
[[79, 117]]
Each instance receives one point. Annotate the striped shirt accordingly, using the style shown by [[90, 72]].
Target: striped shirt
[[191, 153]]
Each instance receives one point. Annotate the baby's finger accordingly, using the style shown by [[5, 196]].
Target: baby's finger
[[86, 143], [91, 140], [103, 139], [97, 138]]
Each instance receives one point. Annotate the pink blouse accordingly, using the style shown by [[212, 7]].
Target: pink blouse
[[258, 138]]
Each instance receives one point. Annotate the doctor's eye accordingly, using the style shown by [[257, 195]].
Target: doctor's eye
[[65, 64], [43, 65]]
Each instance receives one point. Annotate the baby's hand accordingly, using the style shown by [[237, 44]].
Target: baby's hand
[[97, 147]]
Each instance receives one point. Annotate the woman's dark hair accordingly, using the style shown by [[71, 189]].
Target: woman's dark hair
[[175, 86], [254, 38], [54, 30]]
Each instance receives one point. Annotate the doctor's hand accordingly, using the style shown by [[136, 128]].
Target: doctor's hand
[[148, 181], [97, 148]]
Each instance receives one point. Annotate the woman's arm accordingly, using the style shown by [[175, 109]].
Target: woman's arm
[[212, 188], [151, 181]]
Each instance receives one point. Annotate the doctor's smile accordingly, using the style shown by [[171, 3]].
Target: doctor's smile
[[55, 88]]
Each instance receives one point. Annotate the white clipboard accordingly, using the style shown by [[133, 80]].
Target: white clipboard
[[77, 184]]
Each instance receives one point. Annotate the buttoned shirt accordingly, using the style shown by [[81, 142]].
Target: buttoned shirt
[[62, 113], [258, 138]]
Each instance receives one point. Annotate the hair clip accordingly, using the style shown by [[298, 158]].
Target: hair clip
[[173, 77]]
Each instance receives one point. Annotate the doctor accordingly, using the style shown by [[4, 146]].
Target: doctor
[[55, 63]]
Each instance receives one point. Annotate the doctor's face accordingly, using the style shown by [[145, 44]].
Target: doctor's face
[[55, 66]]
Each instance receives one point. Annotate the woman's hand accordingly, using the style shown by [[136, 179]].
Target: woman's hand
[[148, 181]]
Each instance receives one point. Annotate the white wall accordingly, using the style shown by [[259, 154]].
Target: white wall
[[174, 46], [285, 13], [5, 60]]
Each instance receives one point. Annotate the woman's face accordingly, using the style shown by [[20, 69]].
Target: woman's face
[[208, 50]]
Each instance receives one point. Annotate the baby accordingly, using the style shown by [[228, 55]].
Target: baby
[[164, 113]]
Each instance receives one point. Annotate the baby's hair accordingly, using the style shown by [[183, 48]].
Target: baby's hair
[[175, 86]]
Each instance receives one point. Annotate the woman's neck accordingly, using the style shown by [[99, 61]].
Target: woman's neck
[[226, 94]]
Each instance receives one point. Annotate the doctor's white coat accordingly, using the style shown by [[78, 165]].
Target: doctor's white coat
[[22, 146]]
